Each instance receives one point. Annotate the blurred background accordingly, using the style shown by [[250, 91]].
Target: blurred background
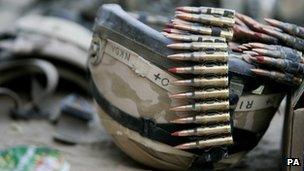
[[100, 153], [83, 11]]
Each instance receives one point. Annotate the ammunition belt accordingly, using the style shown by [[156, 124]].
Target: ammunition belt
[[117, 26], [160, 132], [201, 34]]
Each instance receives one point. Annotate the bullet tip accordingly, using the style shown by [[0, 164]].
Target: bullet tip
[[252, 58], [236, 49], [177, 96], [171, 95], [168, 30], [270, 21], [254, 70], [182, 147], [170, 46], [173, 70], [178, 14], [174, 134], [247, 59], [256, 45], [172, 109], [178, 82], [243, 47], [179, 8], [258, 71], [177, 109], [252, 53], [259, 51], [176, 121], [171, 56], [258, 35], [169, 25], [260, 59], [267, 30], [247, 45]]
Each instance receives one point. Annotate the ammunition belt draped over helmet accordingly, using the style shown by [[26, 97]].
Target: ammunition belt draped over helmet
[[208, 51], [166, 103]]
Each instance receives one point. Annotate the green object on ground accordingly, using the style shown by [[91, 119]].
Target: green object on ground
[[30, 158]]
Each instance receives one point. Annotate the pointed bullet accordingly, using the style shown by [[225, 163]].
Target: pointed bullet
[[291, 29], [202, 70], [204, 119], [267, 47], [204, 131], [169, 25], [207, 10], [236, 49], [246, 58], [176, 31], [274, 22], [203, 107], [281, 64], [258, 59], [260, 72], [173, 70], [251, 53], [256, 45], [277, 34], [263, 52], [207, 19], [177, 21], [206, 95], [201, 56], [164, 33], [214, 142], [206, 30], [277, 51], [277, 76], [203, 82], [247, 45], [199, 46], [196, 38], [243, 47], [289, 40]]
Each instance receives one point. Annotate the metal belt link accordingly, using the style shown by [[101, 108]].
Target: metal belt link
[[200, 37]]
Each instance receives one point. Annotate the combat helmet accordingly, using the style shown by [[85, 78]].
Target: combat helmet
[[131, 84]]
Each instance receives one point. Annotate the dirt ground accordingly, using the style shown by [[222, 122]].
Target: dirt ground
[[104, 155]]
